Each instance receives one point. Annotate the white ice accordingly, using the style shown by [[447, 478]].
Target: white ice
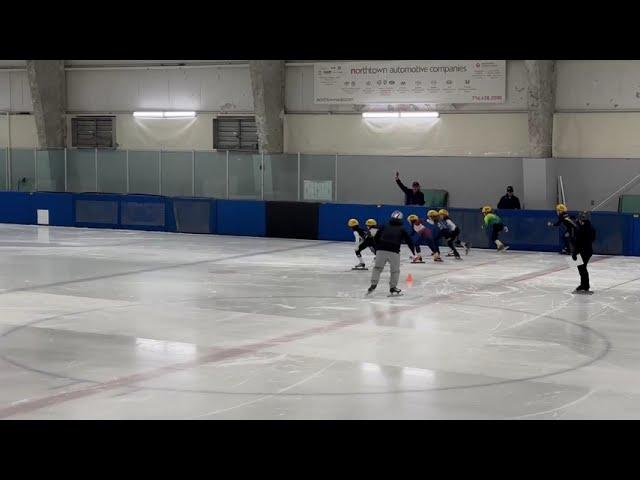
[[107, 324]]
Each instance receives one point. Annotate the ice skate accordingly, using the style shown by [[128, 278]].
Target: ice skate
[[467, 247], [450, 254], [437, 257], [580, 290], [395, 292], [371, 289], [417, 259], [501, 246], [360, 266]]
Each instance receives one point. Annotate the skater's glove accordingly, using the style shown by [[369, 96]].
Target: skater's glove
[[574, 257]]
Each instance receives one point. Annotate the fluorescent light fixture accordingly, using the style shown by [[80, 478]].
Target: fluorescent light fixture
[[164, 114], [419, 114], [148, 114], [380, 115], [179, 114], [400, 115]]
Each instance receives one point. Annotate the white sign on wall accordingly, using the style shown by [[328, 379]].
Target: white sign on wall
[[406, 81], [318, 190]]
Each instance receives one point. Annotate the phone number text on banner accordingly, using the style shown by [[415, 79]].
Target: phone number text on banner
[[423, 81]]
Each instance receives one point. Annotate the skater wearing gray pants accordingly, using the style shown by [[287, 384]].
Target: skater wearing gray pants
[[382, 258], [388, 240]]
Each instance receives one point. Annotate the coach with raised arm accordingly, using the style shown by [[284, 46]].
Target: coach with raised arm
[[413, 195]]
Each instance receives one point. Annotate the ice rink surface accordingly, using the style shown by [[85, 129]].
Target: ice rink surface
[[107, 324]]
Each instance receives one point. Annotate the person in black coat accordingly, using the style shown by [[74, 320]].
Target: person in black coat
[[581, 236], [387, 242], [509, 201], [413, 195]]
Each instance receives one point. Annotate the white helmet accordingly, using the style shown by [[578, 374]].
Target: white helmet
[[397, 214]]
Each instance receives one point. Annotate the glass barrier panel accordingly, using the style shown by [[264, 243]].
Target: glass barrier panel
[[112, 171], [23, 170], [50, 169], [144, 172], [177, 174], [317, 178], [244, 176], [81, 170], [3, 170], [211, 174], [281, 177]]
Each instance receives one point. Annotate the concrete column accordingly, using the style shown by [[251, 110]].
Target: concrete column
[[539, 169], [541, 75], [48, 91], [267, 84]]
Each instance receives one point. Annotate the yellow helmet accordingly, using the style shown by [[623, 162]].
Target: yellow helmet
[[353, 222], [443, 212], [487, 209], [561, 208], [412, 218], [371, 223], [432, 214]]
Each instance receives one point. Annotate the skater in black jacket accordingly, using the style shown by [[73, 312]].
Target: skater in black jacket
[[363, 239], [585, 236], [387, 243], [581, 236]]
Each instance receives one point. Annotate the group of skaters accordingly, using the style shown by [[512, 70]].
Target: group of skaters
[[384, 241]]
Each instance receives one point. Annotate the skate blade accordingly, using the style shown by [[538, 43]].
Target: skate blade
[[418, 262], [582, 292], [362, 268], [396, 294]]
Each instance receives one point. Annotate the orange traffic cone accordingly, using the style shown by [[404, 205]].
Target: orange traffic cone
[[410, 280]]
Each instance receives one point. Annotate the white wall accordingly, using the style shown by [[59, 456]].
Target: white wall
[[165, 134], [469, 134], [597, 135], [211, 89], [495, 135], [23, 131], [131, 133], [598, 105], [589, 85], [15, 94]]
